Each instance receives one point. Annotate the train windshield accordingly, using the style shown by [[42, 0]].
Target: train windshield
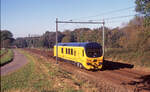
[[94, 52]]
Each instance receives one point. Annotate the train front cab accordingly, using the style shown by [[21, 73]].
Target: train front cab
[[94, 59]]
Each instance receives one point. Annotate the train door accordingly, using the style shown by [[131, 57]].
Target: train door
[[77, 55], [80, 55]]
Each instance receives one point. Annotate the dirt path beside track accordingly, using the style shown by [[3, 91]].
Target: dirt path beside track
[[18, 61]]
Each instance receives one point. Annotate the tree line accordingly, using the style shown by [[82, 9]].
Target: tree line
[[134, 35]]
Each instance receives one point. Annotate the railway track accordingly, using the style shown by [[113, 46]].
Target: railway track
[[114, 73]]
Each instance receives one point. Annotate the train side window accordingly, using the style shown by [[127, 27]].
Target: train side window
[[83, 52], [61, 50], [71, 51], [74, 53], [66, 50]]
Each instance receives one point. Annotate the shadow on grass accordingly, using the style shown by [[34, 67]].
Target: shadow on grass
[[143, 83], [110, 65], [2, 64]]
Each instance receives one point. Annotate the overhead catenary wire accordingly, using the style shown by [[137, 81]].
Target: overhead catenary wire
[[118, 21], [114, 17], [109, 12]]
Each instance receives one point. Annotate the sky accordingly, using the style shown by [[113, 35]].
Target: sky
[[34, 17]]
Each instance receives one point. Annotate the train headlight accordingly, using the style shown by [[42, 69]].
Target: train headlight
[[88, 63], [94, 60], [100, 63]]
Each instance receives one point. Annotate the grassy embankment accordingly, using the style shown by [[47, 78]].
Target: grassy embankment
[[2, 51], [138, 58], [7, 57], [41, 75], [37, 76]]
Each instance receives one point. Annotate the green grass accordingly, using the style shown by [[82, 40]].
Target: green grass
[[2, 51], [7, 57], [27, 79], [36, 76], [19, 79]]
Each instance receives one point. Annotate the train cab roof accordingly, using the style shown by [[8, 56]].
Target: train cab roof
[[82, 44]]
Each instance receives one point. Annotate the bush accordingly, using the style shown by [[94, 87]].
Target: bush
[[6, 58]]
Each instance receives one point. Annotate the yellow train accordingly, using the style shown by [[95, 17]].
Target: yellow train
[[86, 55]]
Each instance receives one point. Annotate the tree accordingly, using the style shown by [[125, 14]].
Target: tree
[[69, 37], [20, 42], [5, 34], [49, 38], [6, 38], [143, 7]]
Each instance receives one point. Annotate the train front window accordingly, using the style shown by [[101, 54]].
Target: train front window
[[93, 52]]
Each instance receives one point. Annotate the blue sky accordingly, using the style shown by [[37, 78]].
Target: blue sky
[[23, 17]]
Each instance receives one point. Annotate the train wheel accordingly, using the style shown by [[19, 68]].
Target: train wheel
[[74, 63], [80, 65], [77, 64]]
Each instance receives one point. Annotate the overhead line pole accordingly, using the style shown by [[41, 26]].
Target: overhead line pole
[[103, 38], [56, 40], [90, 22]]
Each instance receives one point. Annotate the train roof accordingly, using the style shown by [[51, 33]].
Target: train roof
[[82, 44]]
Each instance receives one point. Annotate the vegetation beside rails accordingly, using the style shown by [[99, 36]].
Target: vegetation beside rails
[[7, 57], [37, 76], [45, 49], [138, 58], [2, 51]]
